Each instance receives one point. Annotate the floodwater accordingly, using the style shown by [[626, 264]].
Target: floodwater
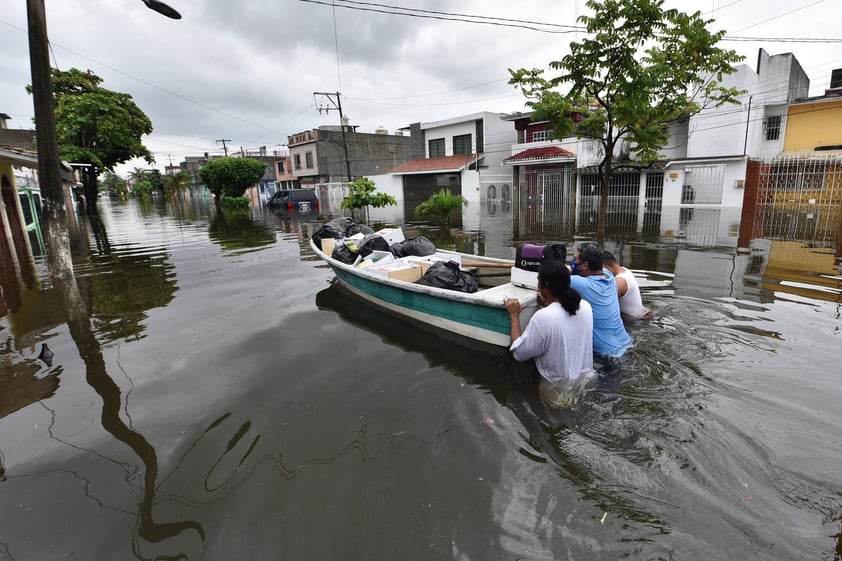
[[217, 397]]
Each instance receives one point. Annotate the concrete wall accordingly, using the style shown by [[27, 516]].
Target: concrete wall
[[722, 131], [738, 129], [368, 154]]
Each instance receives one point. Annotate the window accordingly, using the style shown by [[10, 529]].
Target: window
[[281, 166], [437, 148], [772, 126], [309, 158], [297, 159], [462, 144], [539, 136]]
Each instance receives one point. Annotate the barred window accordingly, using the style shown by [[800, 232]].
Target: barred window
[[772, 127]]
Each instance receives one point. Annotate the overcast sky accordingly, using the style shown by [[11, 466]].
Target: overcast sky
[[245, 71]]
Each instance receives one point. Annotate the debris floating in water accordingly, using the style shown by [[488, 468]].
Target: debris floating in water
[[46, 354], [604, 516]]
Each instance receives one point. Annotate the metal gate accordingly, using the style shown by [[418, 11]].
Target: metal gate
[[545, 202], [799, 198]]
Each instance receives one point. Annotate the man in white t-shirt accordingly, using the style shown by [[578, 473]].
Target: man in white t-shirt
[[628, 291]]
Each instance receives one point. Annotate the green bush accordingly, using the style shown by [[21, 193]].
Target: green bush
[[235, 203], [142, 189], [362, 194], [443, 205]]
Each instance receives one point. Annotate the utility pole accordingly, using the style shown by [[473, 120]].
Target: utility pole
[[59, 261], [224, 146], [49, 166], [335, 101]]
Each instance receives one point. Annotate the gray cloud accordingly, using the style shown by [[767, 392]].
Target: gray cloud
[[246, 71]]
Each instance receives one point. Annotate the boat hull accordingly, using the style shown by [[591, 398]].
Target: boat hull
[[479, 316]]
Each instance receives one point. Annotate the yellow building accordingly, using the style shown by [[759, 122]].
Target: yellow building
[[800, 191], [814, 124]]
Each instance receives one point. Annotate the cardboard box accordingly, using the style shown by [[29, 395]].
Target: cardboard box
[[424, 264], [526, 279], [392, 235], [328, 245], [408, 272]]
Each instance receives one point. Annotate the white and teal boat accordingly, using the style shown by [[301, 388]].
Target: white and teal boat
[[480, 316]]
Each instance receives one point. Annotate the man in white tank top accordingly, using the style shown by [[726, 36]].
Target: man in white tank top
[[628, 292]]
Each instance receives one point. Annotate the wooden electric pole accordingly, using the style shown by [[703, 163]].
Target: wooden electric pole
[[224, 146], [56, 232]]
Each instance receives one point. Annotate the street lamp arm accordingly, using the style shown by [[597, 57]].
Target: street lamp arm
[[162, 8]]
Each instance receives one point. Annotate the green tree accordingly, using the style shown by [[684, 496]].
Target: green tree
[[96, 126], [142, 189], [363, 193], [230, 177], [176, 182], [112, 183], [137, 174], [640, 68], [156, 178], [442, 205]]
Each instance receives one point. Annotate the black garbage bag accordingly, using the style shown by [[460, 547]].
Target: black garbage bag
[[339, 228], [357, 229], [344, 254], [342, 223], [418, 246], [447, 274], [372, 242], [327, 231]]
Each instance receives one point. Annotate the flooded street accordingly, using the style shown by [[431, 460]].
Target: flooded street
[[222, 399]]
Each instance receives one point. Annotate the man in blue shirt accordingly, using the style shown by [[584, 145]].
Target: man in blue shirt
[[598, 287]]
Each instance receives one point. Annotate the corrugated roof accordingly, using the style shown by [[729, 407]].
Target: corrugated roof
[[436, 165], [541, 154], [826, 155], [19, 156]]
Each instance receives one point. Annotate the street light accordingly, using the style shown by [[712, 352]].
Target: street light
[[49, 166], [162, 8]]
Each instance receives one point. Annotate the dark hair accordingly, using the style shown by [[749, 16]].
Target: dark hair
[[591, 254], [555, 276], [608, 257]]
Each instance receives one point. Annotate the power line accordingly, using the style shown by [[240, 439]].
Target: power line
[[445, 16]]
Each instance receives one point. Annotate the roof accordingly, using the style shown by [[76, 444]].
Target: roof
[[22, 157], [543, 154], [436, 165], [826, 155], [19, 156]]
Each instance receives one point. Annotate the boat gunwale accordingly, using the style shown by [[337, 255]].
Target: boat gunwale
[[481, 297]]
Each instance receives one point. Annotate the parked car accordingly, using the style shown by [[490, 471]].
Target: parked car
[[299, 200]]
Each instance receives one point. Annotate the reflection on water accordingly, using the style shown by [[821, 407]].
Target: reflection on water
[[199, 406], [239, 232]]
